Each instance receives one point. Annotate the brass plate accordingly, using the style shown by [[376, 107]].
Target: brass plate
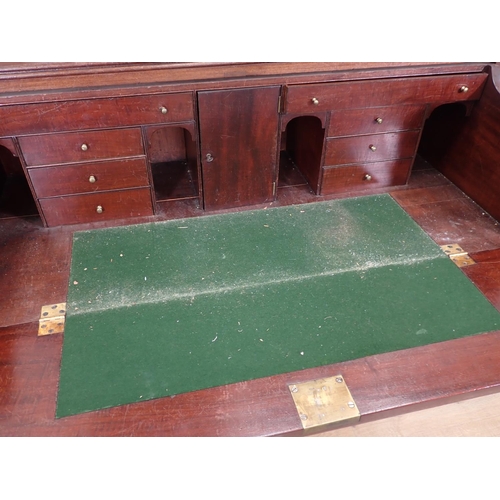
[[462, 260], [452, 249], [457, 254], [53, 310], [324, 402], [52, 318]]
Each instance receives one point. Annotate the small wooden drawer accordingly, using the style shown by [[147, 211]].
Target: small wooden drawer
[[89, 177], [73, 147], [313, 98], [97, 207], [365, 176], [371, 148], [375, 120], [96, 113]]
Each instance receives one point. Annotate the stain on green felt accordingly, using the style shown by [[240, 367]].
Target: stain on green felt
[[166, 308]]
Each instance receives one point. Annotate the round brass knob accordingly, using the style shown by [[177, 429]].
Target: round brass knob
[[367, 177], [92, 179], [372, 147], [99, 209], [84, 147], [209, 157], [463, 88], [164, 110], [315, 101], [379, 120]]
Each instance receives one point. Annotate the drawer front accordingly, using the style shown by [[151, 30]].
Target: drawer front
[[371, 148], [96, 113], [85, 207], [89, 177], [365, 177], [313, 98], [375, 120], [76, 147]]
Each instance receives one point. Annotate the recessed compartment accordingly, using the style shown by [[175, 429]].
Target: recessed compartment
[[174, 166], [301, 151], [16, 199]]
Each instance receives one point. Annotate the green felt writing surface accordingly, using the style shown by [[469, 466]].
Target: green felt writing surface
[[160, 309]]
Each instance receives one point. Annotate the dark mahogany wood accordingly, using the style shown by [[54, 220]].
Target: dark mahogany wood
[[349, 95], [67, 147], [104, 78], [381, 385], [8, 143], [466, 148], [364, 121], [82, 208], [388, 146], [37, 271], [76, 178], [365, 177], [239, 130], [304, 144], [95, 113]]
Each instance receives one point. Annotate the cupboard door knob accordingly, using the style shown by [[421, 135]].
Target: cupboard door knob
[[367, 177], [163, 110], [92, 179], [209, 157], [379, 120], [315, 101], [84, 147], [372, 147], [99, 209], [463, 89]]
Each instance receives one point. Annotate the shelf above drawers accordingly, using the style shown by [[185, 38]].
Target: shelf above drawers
[[73, 147]]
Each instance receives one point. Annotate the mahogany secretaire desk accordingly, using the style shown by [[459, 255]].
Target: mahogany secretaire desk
[[122, 142]]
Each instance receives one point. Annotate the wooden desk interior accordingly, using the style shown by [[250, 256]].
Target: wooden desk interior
[[35, 270]]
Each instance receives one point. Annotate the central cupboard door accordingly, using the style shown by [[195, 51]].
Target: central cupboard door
[[239, 146]]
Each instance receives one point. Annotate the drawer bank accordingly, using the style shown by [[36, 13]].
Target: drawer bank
[[103, 142]]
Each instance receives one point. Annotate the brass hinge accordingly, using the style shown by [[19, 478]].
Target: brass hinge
[[457, 254], [324, 403], [52, 318], [279, 104]]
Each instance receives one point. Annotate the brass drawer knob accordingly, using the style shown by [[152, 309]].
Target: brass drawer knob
[[84, 147], [99, 209], [463, 89], [379, 120], [367, 177], [372, 147], [315, 101], [92, 179], [163, 110]]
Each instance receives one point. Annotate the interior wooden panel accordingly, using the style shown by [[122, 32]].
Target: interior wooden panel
[[452, 196]]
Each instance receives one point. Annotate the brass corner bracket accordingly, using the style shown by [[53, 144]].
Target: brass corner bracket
[[457, 254], [52, 318]]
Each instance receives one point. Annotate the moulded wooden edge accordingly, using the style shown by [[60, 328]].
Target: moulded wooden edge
[[381, 385], [46, 83]]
